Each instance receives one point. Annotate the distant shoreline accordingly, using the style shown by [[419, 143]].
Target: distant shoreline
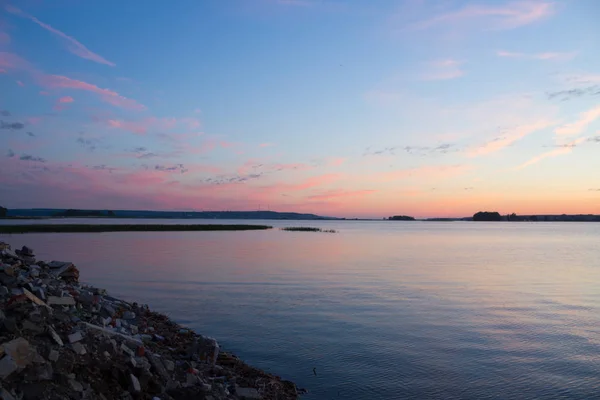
[[85, 228]]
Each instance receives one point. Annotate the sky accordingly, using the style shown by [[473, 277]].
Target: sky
[[344, 108]]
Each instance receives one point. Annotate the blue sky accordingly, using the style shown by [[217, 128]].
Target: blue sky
[[346, 108]]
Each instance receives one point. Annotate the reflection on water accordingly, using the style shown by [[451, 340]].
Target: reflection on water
[[382, 310]]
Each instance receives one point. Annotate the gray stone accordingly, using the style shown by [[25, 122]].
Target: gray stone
[[75, 337], [55, 336], [7, 366], [3, 291], [78, 348], [53, 356], [44, 372], [128, 315], [169, 365], [76, 386], [135, 384], [61, 301], [33, 327], [6, 395], [247, 393], [158, 366], [127, 350], [206, 387]]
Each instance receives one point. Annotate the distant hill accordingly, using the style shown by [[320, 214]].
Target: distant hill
[[53, 212]]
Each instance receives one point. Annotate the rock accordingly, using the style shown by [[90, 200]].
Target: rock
[[61, 301], [44, 372], [128, 315], [32, 327], [75, 337], [20, 351], [78, 348], [169, 365], [26, 251], [135, 384], [127, 350], [75, 385], [55, 336], [247, 393], [7, 366], [3, 291], [158, 366], [6, 395], [53, 356], [206, 387], [9, 325]]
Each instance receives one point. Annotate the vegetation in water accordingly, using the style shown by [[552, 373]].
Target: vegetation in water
[[59, 228], [307, 229]]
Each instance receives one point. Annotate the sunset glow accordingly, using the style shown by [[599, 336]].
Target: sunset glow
[[349, 108]]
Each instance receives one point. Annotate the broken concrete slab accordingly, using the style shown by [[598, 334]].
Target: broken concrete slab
[[75, 337], [61, 301]]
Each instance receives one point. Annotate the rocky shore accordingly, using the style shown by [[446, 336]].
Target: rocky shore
[[63, 340]]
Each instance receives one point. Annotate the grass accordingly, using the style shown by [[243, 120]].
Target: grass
[[307, 229], [73, 228]]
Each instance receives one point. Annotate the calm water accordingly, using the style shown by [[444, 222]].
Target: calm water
[[382, 310]]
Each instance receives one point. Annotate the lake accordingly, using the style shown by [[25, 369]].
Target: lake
[[381, 309]]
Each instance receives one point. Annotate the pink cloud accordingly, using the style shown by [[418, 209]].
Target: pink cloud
[[585, 119], [192, 123], [134, 127], [340, 194], [3, 71], [508, 16], [106, 95], [20, 83], [34, 120], [508, 138], [72, 45], [266, 145], [566, 149], [549, 56], [337, 161], [424, 172], [61, 103], [44, 93], [443, 70]]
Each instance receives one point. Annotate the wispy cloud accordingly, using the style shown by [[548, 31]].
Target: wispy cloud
[[266, 145], [10, 153], [585, 119], [568, 94], [443, 70], [568, 148], [548, 56], [5, 113], [508, 16], [29, 157], [12, 125], [508, 138], [106, 95], [90, 144], [72, 45]]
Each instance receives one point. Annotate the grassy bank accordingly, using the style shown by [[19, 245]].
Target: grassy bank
[[57, 228]]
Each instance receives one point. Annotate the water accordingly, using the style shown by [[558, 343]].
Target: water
[[382, 310]]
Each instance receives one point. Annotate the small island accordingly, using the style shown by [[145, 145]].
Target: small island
[[401, 218]]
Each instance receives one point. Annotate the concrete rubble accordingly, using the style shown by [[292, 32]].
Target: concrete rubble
[[61, 340]]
